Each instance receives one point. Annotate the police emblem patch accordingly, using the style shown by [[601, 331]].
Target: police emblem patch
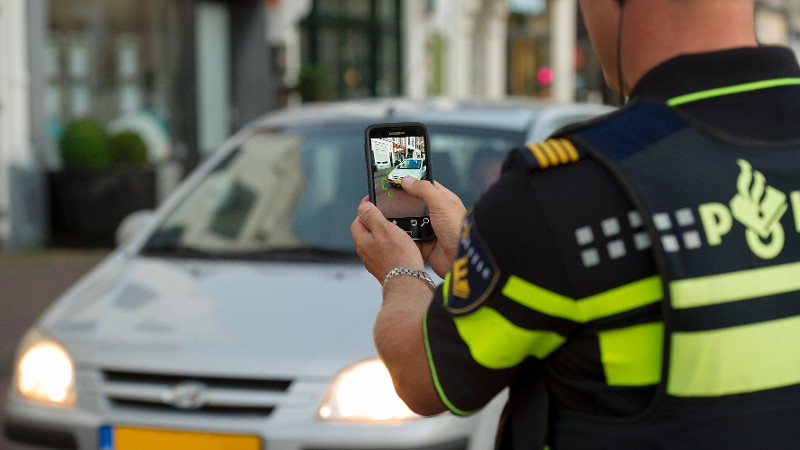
[[474, 273]]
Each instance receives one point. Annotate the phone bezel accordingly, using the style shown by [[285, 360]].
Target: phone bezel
[[423, 230]]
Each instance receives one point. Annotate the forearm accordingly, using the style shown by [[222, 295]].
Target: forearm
[[400, 343]]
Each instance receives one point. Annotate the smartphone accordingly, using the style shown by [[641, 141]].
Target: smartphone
[[394, 151]]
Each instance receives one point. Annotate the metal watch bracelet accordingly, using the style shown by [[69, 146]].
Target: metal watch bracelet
[[422, 275]]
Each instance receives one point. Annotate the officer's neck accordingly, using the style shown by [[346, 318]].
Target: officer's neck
[[657, 31]]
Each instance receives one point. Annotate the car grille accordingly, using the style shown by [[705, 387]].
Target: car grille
[[141, 392]]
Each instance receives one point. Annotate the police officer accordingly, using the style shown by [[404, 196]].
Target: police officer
[[635, 281]]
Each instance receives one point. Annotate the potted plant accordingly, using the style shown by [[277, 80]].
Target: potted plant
[[104, 178]]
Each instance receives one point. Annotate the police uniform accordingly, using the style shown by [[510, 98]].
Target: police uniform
[[559, 286]]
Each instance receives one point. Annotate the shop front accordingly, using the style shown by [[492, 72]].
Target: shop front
[[180, 74]]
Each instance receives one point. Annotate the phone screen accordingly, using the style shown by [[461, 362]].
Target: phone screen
[[395, 151]]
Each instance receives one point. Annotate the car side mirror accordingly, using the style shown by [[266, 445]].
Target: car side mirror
[[133, 224]]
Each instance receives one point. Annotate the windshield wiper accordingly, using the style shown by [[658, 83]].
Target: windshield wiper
[[179, 251], [304, 254]]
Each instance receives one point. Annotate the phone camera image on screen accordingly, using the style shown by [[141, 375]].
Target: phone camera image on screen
[[395, 151]]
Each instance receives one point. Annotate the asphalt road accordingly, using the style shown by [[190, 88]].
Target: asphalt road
[[29, 282]]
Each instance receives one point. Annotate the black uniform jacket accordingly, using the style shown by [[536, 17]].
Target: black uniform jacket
[[550, 263]]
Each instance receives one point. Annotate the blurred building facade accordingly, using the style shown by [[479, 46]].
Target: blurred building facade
[[181, 73], [422, 48], [187, 73]]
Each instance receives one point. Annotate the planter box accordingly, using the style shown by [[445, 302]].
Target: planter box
[[86, 206]]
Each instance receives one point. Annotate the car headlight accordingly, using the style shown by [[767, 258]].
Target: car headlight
[[364, 392], [44, 371]]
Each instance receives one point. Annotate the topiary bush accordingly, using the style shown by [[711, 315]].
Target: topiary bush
[[128, 148], [85, 145]]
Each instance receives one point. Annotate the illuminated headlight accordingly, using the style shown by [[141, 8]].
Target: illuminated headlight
[[364, 392], [44, 371]]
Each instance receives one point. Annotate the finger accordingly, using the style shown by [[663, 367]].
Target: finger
[[363, 240], [423, 190], [438, 198], [370, 216], [358, 230], [447, 192]]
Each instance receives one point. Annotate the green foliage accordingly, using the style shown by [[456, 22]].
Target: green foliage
[[128, 147], [314, 83], [84, 145]]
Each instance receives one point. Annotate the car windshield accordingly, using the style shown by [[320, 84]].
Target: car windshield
[[411, 164], [291, 194]]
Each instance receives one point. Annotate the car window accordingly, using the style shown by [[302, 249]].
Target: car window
[[292, 193], [468, 160]]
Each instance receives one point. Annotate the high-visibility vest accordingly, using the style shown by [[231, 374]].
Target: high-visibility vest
[[724, 218]]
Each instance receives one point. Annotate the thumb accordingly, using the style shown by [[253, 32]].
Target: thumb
[[422, 190], [369, 214]]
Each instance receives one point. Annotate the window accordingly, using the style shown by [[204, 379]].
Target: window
[[355, 45], [111, 61]]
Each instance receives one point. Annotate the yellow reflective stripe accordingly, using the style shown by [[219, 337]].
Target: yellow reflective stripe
[[435, 374], [735, 360], [731, 287], [446, 290], [624, 298], [735, 89], [496, 343], [539, 155], [631, 356]]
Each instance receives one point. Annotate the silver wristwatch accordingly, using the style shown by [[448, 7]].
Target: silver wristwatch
[[422, 275]]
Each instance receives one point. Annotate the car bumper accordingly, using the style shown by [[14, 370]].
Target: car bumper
[[32, 436], [31, 426]]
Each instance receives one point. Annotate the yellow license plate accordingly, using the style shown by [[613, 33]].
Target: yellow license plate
[[130, 438]]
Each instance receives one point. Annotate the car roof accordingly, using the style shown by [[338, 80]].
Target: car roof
[[512, 114]]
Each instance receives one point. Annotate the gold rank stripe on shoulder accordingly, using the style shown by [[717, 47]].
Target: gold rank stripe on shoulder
[[553, 152]]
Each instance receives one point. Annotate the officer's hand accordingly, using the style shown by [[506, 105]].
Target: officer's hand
[[447, 214], [381, 244]]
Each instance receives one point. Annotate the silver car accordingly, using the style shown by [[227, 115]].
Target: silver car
[[414, 167], [237, 316]]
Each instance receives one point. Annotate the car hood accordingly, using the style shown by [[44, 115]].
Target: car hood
[[210, 318]]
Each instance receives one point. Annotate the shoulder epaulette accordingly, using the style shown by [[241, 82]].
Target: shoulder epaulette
[[553, 152], [544, 155]]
